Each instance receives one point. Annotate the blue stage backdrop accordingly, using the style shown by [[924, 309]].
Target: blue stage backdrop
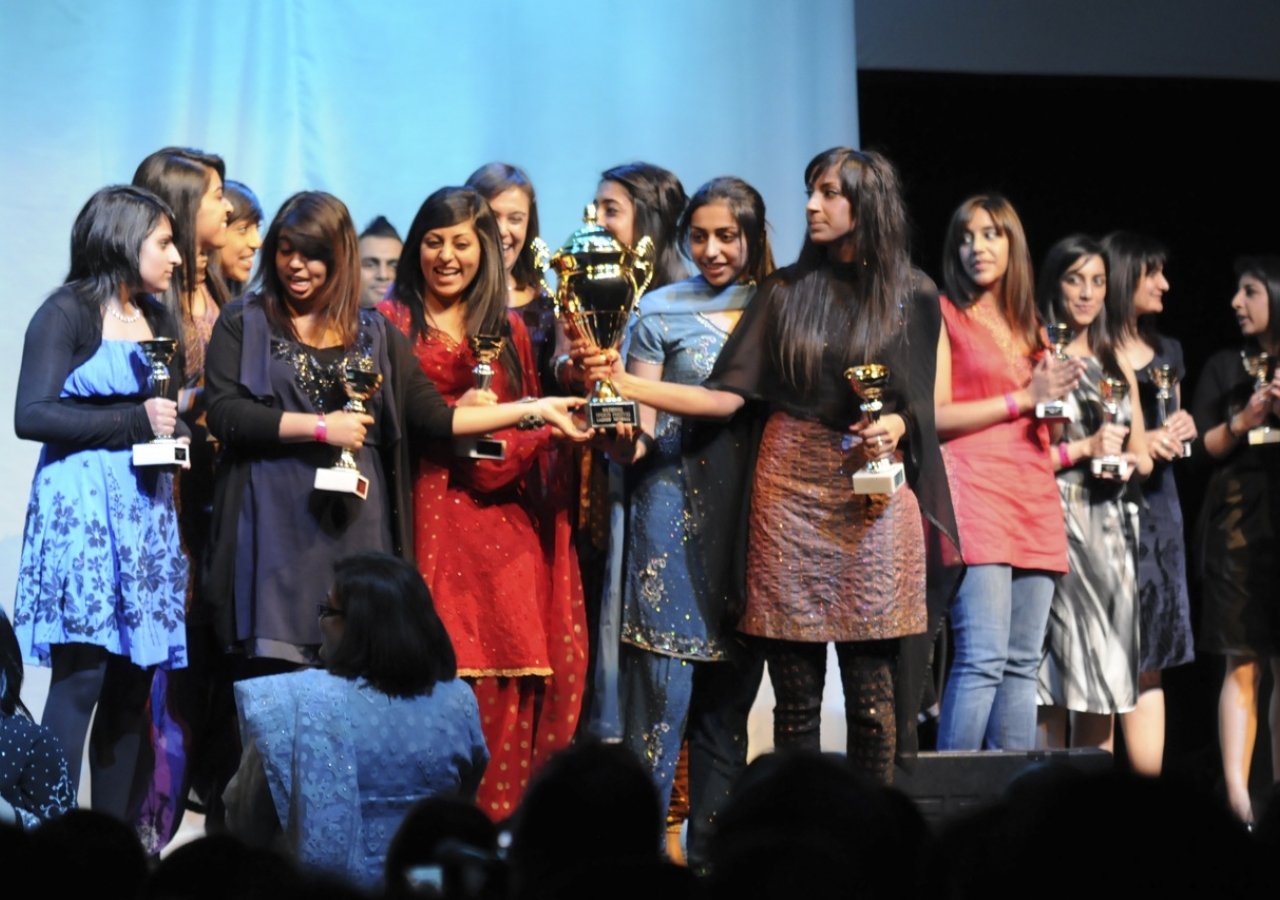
[[383, 102]]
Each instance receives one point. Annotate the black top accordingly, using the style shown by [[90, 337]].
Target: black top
[[64, 333]]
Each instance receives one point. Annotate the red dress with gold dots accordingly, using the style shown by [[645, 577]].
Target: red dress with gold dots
[[493, 542]]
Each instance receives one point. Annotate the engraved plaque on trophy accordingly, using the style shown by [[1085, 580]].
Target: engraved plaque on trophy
[[1113, 392], [1260, 365], [361, 383], [1164, 378], [163, 449], [600, 280], [1056, 410], [882, 476]]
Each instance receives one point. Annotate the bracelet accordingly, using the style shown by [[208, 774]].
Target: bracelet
[[1064, 455], [321, 434], [650, 445], [558, 365], [530, 421], [1231, 428], [1011, 405]]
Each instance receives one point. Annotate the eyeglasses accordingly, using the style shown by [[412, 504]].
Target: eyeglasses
[[324, 611]]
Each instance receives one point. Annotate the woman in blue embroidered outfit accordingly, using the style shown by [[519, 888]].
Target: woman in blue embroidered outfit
[[103, 582], [335, 759], [675, 608]]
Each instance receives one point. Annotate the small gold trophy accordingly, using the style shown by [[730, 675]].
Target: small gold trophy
[[1164, 378], [600, 280], [486, 348], [881, 476], [1113, 392], [1259, 365], [163, 449], [361, 383], [1056, 410]]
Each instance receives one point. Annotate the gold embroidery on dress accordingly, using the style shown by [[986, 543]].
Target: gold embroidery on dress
[[1019, 363]]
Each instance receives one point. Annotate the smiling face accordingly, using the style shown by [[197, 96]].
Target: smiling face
[[236, 258], [301, 276], [984, 250], [450, 259], [158, 257], [616, 212], [211, 218], [1148, 296], [1084, 288], [717, 244], [511, 211], [1252, 307], [829, 213]]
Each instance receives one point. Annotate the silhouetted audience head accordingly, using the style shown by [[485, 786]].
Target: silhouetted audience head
[[91, 854], [450, 841]]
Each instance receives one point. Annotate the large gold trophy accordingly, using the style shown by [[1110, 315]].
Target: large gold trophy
[[599, 281]]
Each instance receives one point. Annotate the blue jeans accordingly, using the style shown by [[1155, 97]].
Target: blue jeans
[[998, 621]]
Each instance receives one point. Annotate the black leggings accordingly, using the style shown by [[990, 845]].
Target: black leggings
[[798, 670], [85, 675]]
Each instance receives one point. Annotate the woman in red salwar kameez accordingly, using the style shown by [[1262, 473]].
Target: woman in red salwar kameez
[[492, 535]]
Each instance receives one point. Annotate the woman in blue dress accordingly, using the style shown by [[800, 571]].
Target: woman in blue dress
[[102, 582], [681, 668]]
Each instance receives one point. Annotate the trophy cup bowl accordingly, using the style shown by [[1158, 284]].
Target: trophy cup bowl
[[163, 449], [360, 382], [599, 281], [880, 476], [486, 348], [1056, 410], [1164, 377], [1113, 392], [1259, 365]]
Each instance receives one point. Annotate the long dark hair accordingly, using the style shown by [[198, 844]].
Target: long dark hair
[[10, 671], [658, 198], [494, 178], [1017, 290], [107, 238], [1267, 270], [319, 226], [1131, 257], [809, 319], [181, 177], [1062, 256], [747, 208], [392, 636], [486, 296]]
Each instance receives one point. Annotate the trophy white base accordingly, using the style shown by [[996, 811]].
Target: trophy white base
[[612, 413], [1110, 467], [879, 481], [160, 453], [483, 447], [1264, 435], [342, 481], [1186, 449], [1053, 411]]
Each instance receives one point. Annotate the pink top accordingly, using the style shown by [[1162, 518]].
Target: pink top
[[1002, 482]]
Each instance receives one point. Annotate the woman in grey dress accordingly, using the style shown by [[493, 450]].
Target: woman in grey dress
[[1090, 667]]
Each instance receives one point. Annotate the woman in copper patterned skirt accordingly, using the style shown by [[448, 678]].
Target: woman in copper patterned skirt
[[824, 564]]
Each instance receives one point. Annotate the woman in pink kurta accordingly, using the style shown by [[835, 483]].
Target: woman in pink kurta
[[992, 372]]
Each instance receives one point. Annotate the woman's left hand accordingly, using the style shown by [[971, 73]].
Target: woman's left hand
[[558, 413], [1132, 460], [1181, 425], [880, 438]]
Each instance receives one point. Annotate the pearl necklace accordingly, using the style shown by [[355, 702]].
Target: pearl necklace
[[128, 320]]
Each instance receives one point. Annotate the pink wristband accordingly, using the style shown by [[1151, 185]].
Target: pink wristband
[[1012, 405], [322, 430], [1064, 456]]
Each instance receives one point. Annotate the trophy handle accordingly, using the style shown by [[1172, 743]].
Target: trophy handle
[[542, 262], [646, 263]]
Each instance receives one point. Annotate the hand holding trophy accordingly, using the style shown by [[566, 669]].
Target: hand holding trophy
[[1164, 378], [1113, 392], [486, 348], [880, 476], [361, 383], [1260, 366], [163, 449], [1056, 410], [599, 281]]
